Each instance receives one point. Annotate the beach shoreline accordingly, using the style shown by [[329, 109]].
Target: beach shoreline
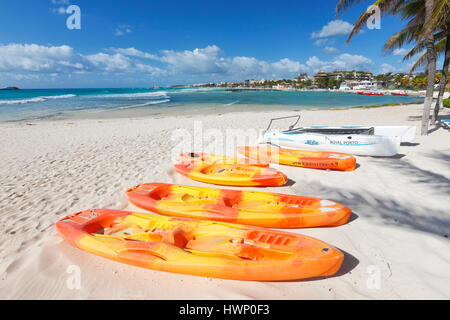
[[190, 112], [396, 244], [37, 105]]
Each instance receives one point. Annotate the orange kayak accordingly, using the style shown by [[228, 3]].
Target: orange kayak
[[199, 247], [262, 209], [231, 174], [301, 158], [205, 157]]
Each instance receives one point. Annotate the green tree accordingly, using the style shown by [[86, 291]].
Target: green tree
[[430, 14], [414, 30], [322, 83]]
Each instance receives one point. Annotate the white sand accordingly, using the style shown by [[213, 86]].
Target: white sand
[[51, 169]]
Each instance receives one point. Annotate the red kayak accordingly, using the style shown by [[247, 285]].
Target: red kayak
[[369, 93], [399, 94]]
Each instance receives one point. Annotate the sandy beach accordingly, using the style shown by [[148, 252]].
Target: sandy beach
[[396, 243]]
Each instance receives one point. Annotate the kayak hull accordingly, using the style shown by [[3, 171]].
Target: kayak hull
[[301, 158], [198, 247], [262, 209], [358, 144], [231, 175]]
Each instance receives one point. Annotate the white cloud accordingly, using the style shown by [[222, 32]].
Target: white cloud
[[404, 68], [208, 62], [400, 52], [122, 29], [324, 41], [320, 42], [247, 67], [333, 28], [119, 63], [33, 58], [330, 49], [63, 4], [344, 61], [385, 68], [60, 10], [36, 58], [287, 67], [110, 62], [133, 52]]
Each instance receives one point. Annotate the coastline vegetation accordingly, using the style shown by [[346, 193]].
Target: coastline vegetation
[[446, 103], [333, 80]]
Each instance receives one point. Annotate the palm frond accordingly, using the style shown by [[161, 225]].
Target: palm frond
[[406, 35], [420, 62], [440, 18], [385, 7], [439, 47], [420, 46], [344, 5]]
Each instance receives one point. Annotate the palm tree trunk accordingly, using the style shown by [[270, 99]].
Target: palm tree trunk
[[431, 60], [443, 79]]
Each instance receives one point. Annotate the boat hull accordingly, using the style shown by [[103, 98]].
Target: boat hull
[[406, 133], [358, 144], [199, 247]]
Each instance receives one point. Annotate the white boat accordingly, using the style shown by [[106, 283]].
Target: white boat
[[383, 141], [356, 144], [406, 133]]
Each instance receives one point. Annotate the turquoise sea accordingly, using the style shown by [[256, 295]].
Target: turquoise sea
[[34, 104]]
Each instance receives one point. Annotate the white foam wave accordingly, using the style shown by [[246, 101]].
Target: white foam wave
[[158, 94], [143, 104], [63, 96], [231, 103], [196, 90], [36, 99], [159, 101]]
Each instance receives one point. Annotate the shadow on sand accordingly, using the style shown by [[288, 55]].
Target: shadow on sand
[[415, 215]]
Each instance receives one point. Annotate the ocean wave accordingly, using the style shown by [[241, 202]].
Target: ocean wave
[[196, 90], [231, 103], [140, 105], [36, 99], [156, 95], [159, 101]]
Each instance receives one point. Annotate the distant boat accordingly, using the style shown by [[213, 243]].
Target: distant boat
[[398, 94], [369, 93]]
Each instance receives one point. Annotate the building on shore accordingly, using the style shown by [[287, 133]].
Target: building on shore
[[338, 75], [321, 75], [366, 84]]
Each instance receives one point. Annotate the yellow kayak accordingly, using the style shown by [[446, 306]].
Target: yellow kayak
[[199, 247], [205, 157], [231, 175], [301, 158], [262, 209]]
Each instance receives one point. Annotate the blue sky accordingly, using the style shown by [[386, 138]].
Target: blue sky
[[144, 43]]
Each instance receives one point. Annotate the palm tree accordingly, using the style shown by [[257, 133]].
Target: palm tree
[[405, 82], [432, 14], [416, 82], [444, 78], [414, 29], [398, 79]]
